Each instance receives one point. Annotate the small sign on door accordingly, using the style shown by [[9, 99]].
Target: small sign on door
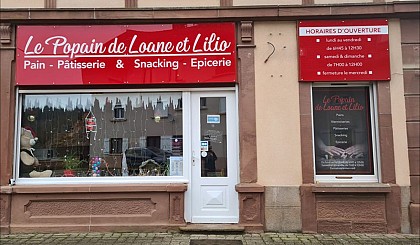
[[213, 118], [204, 146]]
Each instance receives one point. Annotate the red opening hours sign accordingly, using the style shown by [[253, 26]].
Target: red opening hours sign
[[344, 50], [126, 54]]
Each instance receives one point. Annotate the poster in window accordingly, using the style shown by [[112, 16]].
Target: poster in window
[[175, 165], [342, 131]]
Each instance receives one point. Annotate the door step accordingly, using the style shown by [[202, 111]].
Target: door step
[[212, 228]]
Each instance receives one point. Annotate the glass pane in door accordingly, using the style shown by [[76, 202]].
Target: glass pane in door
[[213, 137]]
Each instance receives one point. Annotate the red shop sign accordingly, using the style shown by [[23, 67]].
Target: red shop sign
[[344, 50], [126, 54]]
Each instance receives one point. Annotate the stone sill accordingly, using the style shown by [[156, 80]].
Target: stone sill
[[212, 228], [249, 187], [118, 119], [93, 188], [351, 188]]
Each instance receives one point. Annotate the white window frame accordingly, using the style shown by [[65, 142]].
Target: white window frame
[[186, 128], [353, 178]]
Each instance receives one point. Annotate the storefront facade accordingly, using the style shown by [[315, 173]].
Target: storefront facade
[[224, 113]]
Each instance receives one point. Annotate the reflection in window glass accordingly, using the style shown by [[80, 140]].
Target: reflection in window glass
[[76, 135], [118, 111], [116, 146]]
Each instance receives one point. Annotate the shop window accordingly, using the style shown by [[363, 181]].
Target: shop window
[[203, 103], [222, 106], [119, 112], [153, 141], [179, 105], [75, 131], [160, 111], [116, 146], [344, 134]]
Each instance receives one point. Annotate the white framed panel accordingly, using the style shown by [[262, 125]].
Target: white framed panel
[[341, 157]]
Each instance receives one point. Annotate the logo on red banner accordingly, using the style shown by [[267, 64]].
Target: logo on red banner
[[346, 50], [117, 54]]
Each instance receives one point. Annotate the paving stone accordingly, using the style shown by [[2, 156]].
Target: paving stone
[[271, 238]]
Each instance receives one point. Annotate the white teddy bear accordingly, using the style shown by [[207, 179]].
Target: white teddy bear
[[28, 161]]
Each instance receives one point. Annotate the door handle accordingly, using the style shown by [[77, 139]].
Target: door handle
[[193, 158]]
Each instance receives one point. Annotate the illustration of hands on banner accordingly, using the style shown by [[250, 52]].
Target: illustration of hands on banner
[[355, 151]]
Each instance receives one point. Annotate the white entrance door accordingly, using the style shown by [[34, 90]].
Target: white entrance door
[[214, 158]]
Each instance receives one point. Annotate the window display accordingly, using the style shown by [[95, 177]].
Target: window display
[[77, 135], [342, 131]]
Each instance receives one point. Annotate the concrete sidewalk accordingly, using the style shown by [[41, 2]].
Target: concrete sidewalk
[[209, 239]]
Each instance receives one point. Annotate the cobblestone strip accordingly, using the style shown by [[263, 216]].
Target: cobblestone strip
[[184, 239]]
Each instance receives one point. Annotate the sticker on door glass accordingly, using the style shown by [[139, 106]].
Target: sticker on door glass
[[204, 146], [215, 136], [213, 118]]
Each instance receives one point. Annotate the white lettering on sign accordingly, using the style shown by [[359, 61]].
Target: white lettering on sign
[[143, 47], [66, 64], [199, 63], [159, 63], [343, 30], [135, 54], [36, 49], [59, 45], [37, 65], [60, 42], [211, 44]]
